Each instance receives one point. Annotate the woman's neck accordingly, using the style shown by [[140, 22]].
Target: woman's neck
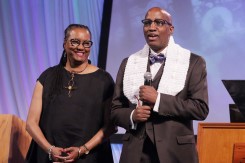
[[77, 68]]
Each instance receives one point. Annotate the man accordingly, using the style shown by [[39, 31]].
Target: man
[[158, 117]]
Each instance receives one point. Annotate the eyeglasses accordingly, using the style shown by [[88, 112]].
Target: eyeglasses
[[158, 22], [76, 43]]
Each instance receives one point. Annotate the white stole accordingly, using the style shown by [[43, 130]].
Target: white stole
[[173, 77]]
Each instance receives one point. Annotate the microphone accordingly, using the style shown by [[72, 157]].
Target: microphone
[[148, 78], [148, 81]]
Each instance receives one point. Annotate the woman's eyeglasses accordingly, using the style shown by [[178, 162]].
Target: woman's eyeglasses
[[76, 43]]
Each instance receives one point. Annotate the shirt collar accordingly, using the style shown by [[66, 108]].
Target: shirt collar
[[164, 52]]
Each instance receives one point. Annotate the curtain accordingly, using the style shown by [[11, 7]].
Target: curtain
[[31, 40]]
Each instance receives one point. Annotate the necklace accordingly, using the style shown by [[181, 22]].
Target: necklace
[[71, 83]]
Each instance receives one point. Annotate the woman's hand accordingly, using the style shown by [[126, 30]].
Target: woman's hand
[[72, 153], [56, 153]]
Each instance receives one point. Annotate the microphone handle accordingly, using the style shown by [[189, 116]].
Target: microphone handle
[[149, 83]]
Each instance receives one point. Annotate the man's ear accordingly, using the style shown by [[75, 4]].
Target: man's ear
[[171, 29]]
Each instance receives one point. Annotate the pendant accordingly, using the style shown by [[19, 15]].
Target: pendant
[[70, 85]]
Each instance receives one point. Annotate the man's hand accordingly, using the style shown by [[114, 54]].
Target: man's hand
[[148, 94], [141, 113]]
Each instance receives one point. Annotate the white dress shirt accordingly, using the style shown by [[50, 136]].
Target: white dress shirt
[[154, 69]]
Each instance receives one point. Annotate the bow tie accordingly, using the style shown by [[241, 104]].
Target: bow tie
[[156, 58]]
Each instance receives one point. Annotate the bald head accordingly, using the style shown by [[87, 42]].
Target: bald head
[[160, 10]]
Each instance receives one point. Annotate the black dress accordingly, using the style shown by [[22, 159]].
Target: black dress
[[72, 121]]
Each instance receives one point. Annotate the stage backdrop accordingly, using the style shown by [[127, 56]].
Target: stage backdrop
[[213, 29]]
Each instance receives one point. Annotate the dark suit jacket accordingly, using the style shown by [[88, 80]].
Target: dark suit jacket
[[172, 126]]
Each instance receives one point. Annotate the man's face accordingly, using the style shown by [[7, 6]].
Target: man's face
[[157, 33]]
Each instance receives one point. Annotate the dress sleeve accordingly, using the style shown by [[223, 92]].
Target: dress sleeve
[[43, 76], [109, 87]]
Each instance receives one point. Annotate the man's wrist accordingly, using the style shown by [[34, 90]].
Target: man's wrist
[[133, 123]]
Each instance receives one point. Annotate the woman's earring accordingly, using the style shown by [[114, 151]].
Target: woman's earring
[[64, 55]]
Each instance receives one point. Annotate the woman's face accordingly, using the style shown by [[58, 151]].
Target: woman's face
[[77, 46]]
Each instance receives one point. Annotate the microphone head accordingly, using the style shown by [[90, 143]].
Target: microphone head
[[148, 76]]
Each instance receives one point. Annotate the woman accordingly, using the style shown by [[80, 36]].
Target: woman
[[69, 113]]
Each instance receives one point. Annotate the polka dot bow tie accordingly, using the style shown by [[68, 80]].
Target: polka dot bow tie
[[156, 58]]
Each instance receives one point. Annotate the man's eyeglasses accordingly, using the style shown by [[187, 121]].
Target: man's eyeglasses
[[76, 43], [158, 22]]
